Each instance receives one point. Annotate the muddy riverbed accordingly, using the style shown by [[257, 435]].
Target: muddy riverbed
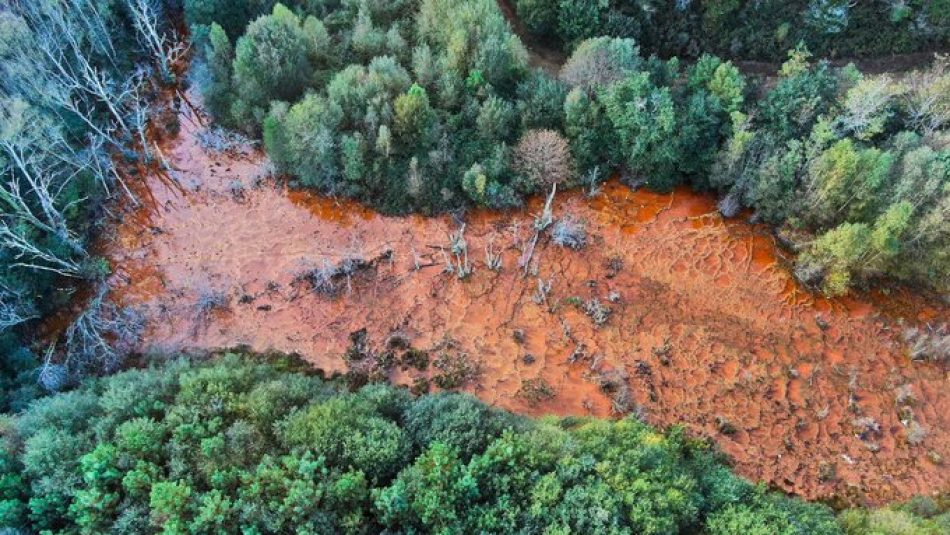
[[668, 311]]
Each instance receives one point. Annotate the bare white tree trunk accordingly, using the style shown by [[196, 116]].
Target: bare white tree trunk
[[32, 256], [164, 49], [14, 308]]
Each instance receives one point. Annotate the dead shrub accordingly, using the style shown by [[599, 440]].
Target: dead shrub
[[454, 370], [535, 391], [543, 158], [569, 232], [929, 343]]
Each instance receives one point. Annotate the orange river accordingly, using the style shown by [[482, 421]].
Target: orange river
[[706, 327]]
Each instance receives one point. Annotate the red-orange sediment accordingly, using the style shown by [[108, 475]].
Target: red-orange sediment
[[745, 345]]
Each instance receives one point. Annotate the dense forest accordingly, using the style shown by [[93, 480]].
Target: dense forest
[[751, 30], [433, 106], [191, 447]]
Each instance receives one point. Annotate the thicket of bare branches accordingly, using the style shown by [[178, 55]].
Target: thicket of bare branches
[[543, 157], [73, 100], [931, 342]]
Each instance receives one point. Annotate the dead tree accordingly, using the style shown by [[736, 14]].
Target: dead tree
[[14, 307], [102, 335], [31, 256], [163, 48], [69, 44], [40, 164]]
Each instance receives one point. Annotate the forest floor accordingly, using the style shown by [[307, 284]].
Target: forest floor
[[669, 311]]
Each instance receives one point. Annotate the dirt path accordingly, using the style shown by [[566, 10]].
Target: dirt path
[[699, 323]]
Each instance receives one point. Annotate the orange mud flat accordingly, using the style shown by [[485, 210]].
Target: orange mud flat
[[668, 311]]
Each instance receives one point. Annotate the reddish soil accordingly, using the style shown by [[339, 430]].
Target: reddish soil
[[706, 327]]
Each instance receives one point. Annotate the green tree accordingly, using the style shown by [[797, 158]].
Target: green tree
[[580, 19], [644, 120], [413, 115], [495, 119], [539, 16], [590, 131], [302, 140], [217, 91], [231, 15], [170, 504], [274, 60], [805, 93], [474, 36], [540, 101], [349, 434], [832, 260], [845, 182]]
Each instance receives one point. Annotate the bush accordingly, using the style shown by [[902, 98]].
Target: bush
[[569, 233]]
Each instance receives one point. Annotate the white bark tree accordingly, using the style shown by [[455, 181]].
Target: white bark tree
[[164, 48]]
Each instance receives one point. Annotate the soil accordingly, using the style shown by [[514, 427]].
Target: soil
[[696, 320]]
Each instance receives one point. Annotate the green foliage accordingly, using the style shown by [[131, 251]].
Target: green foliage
[[236, 442], [580, 19], [539, 16], [300, 140], [745, 29], [488, 183], [475, 37], [413, 115], [456, 420], [590, 131], [644, 121], [767, 515], [845, 183], [832, 258], [904, 519], [495, 119], [276, 59], [541, 101], [231, 15], [349, 434], [601, 61], [793, 107], [219, 55]]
